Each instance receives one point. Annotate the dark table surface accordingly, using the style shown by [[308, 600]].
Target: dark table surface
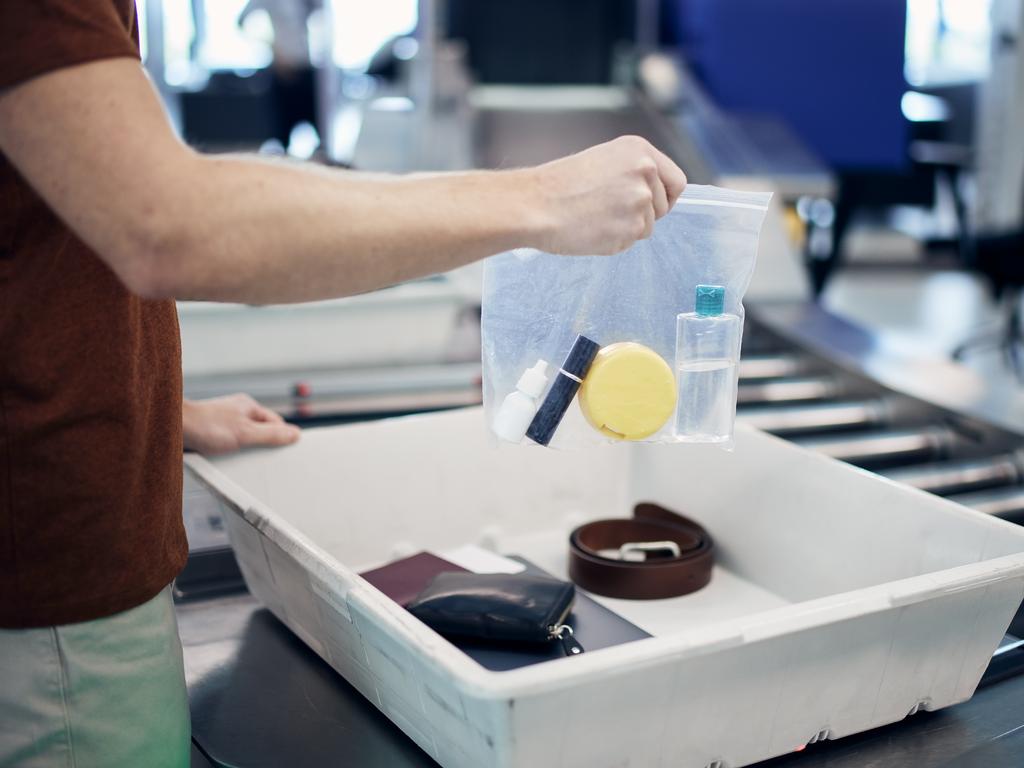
[[261, 698]]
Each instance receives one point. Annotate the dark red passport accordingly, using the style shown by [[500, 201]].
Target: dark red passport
[[403, 579]]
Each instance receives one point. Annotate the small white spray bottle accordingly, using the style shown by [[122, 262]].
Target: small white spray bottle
[[519, 407]]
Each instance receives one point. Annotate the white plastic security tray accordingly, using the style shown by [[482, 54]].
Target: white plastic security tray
[[840, 601]]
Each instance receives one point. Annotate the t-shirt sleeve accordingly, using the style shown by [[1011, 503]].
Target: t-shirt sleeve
[[39, 36]]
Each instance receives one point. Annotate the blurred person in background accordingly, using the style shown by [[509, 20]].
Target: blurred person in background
[[293, 76]]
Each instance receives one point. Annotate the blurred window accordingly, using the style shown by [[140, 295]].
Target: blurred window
[[947, 41], [360, 28], [224, 44], [200, 36]]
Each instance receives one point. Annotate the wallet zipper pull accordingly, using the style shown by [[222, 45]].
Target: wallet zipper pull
[[563, 633]]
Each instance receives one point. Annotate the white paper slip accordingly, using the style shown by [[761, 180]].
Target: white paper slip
[[480, 560]]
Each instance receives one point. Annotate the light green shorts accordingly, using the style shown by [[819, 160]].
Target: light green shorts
[[109, 693]]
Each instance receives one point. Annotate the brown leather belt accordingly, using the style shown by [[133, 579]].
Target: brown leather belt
[[602, 559]]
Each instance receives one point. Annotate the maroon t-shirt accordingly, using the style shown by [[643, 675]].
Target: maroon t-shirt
[[90, 377]]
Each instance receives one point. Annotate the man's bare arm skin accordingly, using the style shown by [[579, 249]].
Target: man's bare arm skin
[[93, 140]]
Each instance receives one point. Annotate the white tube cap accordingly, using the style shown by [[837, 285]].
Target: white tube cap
[[533, 380]]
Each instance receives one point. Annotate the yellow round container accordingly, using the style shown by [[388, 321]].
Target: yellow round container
[[629, 392]]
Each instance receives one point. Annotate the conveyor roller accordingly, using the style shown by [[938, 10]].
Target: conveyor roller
[[889, 447], [758, 367], [961, 476], [816, 418], [1001, 502], [788, 390]]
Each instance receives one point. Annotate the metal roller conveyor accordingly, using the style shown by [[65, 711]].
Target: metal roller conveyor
[[757, 367], [792, 390], [1007, 502], [889, 447], [961, 476], [816, 418]]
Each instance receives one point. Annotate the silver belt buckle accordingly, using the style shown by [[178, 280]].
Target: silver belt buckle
[[638, 551]]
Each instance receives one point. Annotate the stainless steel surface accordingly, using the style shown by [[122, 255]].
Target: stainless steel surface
[[789, 390], [526, 126], [507, 127], [259, 696], [349, 408], [886, 447], [895, 364], [350, 392], [999, 502], [926, 422], [818, 417], [761, 366], [959, 476]]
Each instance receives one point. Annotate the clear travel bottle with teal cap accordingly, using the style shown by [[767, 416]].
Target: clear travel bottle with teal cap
[[707, 353]]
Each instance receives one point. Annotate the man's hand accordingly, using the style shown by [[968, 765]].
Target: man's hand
[[603, 199], [226, 424]]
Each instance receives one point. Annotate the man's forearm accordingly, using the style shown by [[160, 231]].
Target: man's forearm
[[261, 231], [95, 144]]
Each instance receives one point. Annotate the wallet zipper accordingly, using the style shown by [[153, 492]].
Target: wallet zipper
[[563, 633]]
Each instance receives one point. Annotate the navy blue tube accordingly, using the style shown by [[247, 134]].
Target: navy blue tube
[[563, 390]]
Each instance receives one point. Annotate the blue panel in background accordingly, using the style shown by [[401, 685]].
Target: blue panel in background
[[833, 69]]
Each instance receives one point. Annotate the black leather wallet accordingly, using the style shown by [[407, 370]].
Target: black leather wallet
[[498, 607]]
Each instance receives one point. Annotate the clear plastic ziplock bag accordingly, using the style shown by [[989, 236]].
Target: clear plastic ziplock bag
[[639, 346]]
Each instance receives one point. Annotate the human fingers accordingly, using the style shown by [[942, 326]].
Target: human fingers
[[257, 433], [649, 219], [672, 177], [659, 196], [258, 412]]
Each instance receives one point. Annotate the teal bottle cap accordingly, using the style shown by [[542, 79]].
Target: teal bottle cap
[[710, 300]]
